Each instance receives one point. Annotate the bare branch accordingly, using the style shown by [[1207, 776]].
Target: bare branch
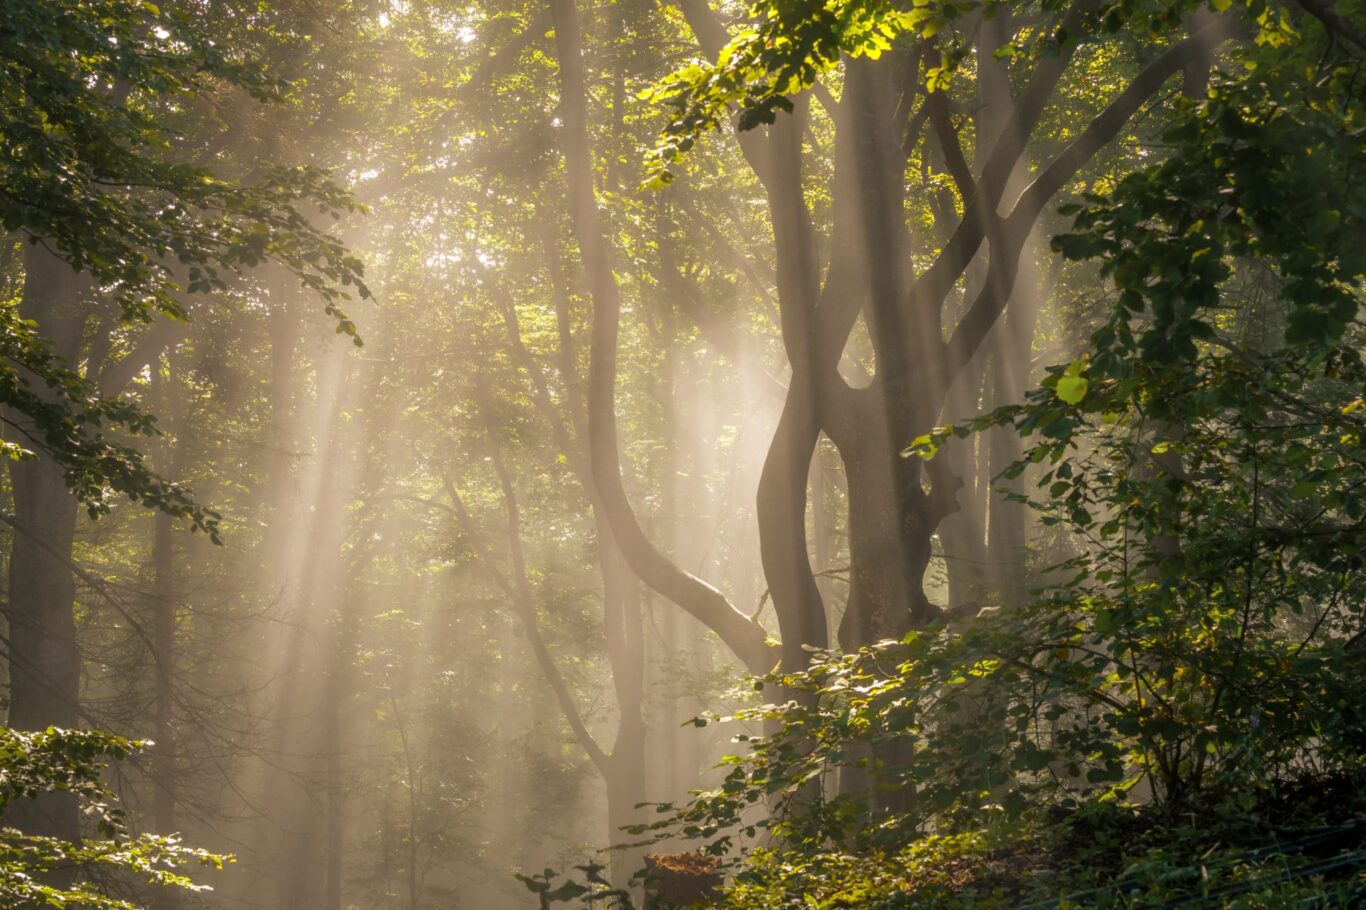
[[523, 603]]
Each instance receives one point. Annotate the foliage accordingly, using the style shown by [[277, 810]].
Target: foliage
[[68, 420], [788, 44], [1096, 863], [35, 871], [435, 759], [593, 890], [1219, 479], [90, 164], [93, 168]]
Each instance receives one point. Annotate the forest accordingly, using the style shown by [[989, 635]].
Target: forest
[[767, 455]]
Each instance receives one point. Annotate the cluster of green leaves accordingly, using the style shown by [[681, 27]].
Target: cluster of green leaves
[[787, 45], [786, 48], [593, 889], [66, 418], [90, 166], [36, 871], [1267, 171]]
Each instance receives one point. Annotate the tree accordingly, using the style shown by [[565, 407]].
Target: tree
[[893, 515], [99, 184], [1193, 675]]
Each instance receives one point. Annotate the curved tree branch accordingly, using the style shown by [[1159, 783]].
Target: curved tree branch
[[745, 638], [933, 286], [520, 596], [1008, 243], [937, 103], [1326, 13]]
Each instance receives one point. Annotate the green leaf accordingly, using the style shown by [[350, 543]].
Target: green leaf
[[1072, 389], [924, 446]]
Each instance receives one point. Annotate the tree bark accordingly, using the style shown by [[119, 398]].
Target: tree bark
[[45, 669], [164, 755]]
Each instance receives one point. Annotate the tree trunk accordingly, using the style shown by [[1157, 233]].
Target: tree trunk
[[163, 634], [45, 667], [825, 543], [892, 519], [625, 779], [962, 533], [745, 638], [163, 663], [781, 506], [624, 770], [1007, 548], [338, 685]]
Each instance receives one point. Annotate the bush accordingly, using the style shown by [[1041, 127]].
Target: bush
[[41, 871]]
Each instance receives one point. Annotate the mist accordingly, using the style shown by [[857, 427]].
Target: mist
[[525, 386]]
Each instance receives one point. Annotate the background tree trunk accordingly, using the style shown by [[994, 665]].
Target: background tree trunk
[[45, 670]]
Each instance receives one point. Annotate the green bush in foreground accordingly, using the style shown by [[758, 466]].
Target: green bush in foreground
[[48, 872]]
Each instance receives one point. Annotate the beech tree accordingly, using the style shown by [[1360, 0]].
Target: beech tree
[[862, 264]]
